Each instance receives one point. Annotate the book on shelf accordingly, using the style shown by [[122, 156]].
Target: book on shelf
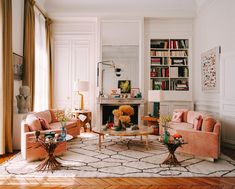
[[173, 72], [179, 44], [179, 61], [179, 85], [160, 85], [159, 44], [152, 53], [156, 61], [179, 53]]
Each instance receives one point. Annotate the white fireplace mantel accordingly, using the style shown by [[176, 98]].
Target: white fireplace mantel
[[101, 101]]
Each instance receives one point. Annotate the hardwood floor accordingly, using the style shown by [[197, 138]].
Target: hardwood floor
[[120, 183], [117, 183]]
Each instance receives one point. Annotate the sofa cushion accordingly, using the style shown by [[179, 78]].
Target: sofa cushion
[[197, 124], [208, 124], [45, 125], [192, 115], [33, 122], [45, 115], [57, 125], [179, 126], [177, 116], [185, 112]]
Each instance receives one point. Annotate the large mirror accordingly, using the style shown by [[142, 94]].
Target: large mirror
[[127, 58]]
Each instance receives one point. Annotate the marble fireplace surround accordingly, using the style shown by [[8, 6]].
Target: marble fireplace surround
[[102, 102]]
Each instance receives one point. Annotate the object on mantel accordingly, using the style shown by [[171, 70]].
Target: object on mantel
[[101, 100]]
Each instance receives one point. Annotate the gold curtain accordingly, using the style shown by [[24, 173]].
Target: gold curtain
[[8, 80], [49, 55], [29, 47]]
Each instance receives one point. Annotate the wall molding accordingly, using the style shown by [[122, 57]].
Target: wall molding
[[212, 107]]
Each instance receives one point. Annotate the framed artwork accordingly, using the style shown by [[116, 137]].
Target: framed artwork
[[18, 66], [210, 70], [124, 85], [134, 92]]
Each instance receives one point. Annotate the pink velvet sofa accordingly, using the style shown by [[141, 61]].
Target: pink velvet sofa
[[31, 150], [202, 135]]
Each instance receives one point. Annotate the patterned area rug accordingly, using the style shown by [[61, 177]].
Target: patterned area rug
[[83, 159]]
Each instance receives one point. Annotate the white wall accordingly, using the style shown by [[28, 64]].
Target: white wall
[[17, 36], [215, 26]]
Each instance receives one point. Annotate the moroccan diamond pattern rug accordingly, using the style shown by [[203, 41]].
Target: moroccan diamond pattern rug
[[83, 159]]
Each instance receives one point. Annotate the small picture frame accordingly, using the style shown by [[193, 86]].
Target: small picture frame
[[134, 92], [18, 66], [115, 91], [124, 85]]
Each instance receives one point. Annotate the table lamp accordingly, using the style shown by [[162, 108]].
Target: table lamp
[[155, 96], [81, 86]]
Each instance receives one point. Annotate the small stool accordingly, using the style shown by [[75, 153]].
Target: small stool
[[86, 113]]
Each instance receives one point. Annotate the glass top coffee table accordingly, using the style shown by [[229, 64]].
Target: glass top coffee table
[[143, 131]]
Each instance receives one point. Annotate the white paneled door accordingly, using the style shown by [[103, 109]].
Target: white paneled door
[[62, 72], [73, 60]]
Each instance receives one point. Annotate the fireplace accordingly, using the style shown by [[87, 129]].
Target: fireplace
[[107, 105]]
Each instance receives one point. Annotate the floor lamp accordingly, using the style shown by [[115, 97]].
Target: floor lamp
[[155, 96], [81, 86]]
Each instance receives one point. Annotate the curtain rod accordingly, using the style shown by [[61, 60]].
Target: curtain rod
[[40, 10]]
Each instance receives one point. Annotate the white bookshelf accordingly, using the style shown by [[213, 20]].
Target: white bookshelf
[[169, 64]]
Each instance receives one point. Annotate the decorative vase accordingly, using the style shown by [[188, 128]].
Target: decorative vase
[[116, 121], [166, 137], [63, 131]]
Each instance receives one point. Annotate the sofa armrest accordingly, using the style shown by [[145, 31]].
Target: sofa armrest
[[197, 140]]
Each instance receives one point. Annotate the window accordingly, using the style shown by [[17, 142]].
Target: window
[[41, 95]]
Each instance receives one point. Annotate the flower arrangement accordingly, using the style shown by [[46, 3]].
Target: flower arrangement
[[164, 119], [123, 114], [125, 119], [117, 113], [127, 110], [63, 116]]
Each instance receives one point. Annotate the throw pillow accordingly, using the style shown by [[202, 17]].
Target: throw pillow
[[33, 122], [185, 113], [177, 117], [197, 124], [208, 124], [45, 125]]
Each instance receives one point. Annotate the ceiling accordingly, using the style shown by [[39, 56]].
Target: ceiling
[[147, 8]]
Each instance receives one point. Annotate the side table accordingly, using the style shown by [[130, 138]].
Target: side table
[[81, 123], [152, 121], [171, 159], [50, 163]]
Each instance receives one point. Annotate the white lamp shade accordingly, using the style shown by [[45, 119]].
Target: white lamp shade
[[154, 95], [81, 86]]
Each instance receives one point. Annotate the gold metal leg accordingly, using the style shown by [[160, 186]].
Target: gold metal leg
[[99, 142], [147, 142]]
